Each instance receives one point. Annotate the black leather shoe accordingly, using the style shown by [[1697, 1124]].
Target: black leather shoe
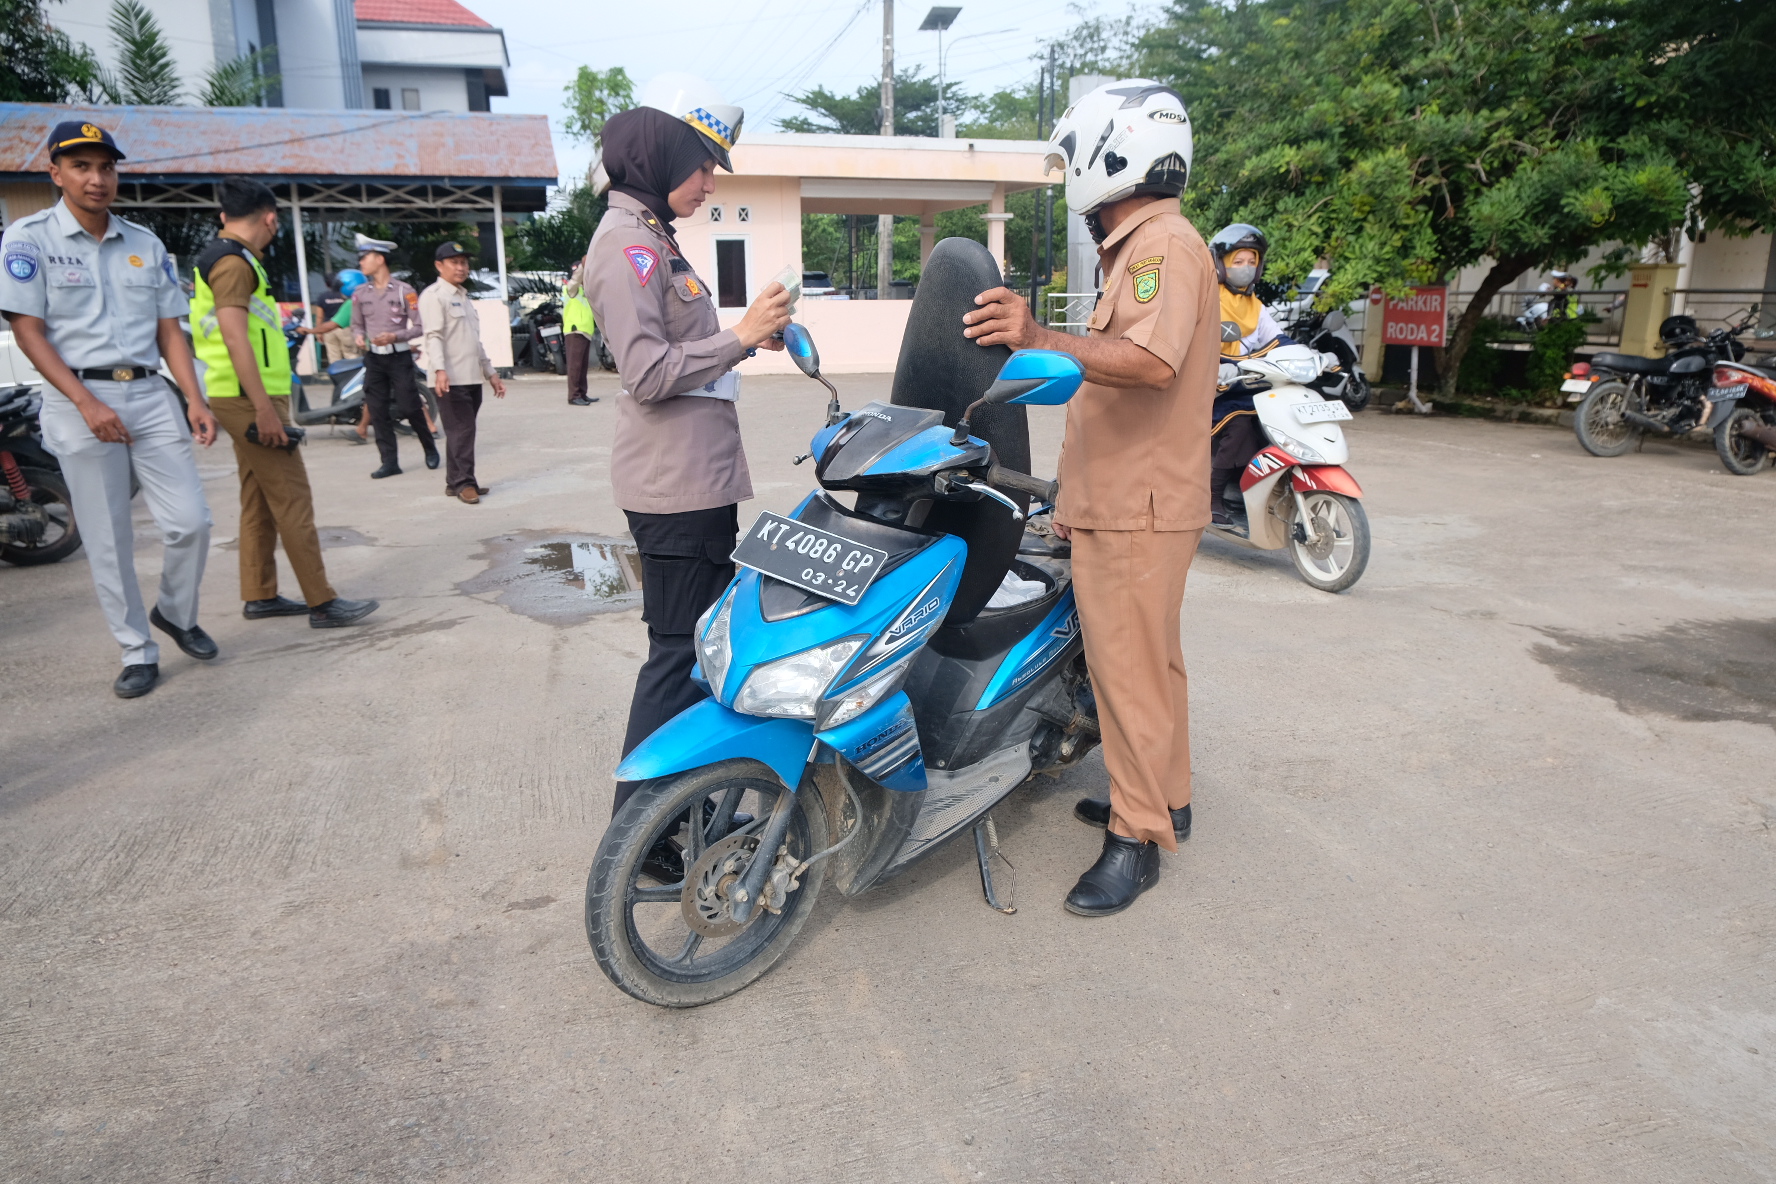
[[194, 641], [432, 459], [136, 681], [1126, 869], [339, 611], [582, 401], [1092, 812], [277, 606], [386, 471]]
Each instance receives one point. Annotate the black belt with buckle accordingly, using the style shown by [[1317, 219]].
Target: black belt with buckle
[[115, 373]]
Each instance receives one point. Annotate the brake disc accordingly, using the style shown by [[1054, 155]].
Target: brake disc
[[705, 904]]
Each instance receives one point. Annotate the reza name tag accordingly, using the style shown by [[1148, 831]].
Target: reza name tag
[[1320, 412], [814, 560]]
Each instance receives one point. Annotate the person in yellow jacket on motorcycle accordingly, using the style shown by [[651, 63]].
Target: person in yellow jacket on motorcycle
[[1247, 328], [577, 325]]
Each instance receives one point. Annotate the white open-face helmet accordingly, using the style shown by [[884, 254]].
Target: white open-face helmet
[[687, 97], [1123, 138]]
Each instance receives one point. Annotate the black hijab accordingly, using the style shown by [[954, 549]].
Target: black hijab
[[648, 154]]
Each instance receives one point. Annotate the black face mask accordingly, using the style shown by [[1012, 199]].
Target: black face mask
[[1096, 226], [647, 154]]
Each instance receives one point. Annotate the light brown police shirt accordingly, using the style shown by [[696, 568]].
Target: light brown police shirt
[[1139, 457], [453, 335], [672, 451]]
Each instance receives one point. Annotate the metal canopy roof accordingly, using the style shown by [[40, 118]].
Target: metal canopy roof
[[395, 165]]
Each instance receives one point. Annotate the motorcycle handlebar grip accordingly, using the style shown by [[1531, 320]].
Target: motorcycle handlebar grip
[[1014, 481]]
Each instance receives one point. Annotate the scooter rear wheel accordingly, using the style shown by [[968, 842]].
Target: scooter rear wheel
[[1742, 455], [62, 536], [1336, 549], [635, 919]]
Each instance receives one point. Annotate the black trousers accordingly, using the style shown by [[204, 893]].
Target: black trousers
[[579, 359], [458, 408], [1238, 441], [686, 561], [390, 378]]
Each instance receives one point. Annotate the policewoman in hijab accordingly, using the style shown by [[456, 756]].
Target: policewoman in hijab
[[677, 465]]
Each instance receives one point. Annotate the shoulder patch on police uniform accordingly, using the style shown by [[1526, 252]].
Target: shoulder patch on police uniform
[[1146, 286], [679, 266], [21, 260], [1153, 261], [644, 261]]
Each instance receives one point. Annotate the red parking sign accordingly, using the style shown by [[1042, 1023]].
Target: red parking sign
[[1420, 319]]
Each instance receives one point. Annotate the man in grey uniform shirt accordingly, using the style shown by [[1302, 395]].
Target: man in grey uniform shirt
[[94, 305]]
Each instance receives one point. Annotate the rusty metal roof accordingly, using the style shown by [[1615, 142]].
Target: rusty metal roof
[[172, 144]]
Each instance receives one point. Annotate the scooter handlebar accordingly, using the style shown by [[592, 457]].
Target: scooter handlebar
[[1016, 482]]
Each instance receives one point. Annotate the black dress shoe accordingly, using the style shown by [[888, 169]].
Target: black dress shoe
[[277, 606], [1092, 812], [136, 681], [432, 459], [1127, 868], [194, 641], [581, 401], [339, 611], [386, 471]]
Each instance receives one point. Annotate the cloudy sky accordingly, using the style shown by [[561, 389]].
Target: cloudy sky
[[757, 50]]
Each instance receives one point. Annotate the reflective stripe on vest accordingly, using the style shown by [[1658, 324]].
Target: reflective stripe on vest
[[264, 333], [576, 316]]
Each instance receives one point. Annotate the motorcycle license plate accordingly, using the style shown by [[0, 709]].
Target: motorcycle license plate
[[817, 561], [1724, 394], [551, 331], [1576, 386], [1320, 412]]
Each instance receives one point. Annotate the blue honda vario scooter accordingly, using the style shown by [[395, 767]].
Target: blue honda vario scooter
[[848, 726]]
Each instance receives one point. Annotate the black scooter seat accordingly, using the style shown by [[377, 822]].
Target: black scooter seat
[[1630, 364]]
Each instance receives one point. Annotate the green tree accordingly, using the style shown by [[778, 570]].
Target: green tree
[[145, 71], [42, 64], [860, 114], [555, 240], [239, 83], [593, 97]]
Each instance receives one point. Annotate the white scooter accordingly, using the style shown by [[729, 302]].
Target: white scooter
[[1296, 493]]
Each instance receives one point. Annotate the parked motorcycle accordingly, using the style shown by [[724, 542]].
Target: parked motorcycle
[[1744, 418], [347, 378], [850, 725], [36, 513], [1326, 332], [1621, 397], [537, 339], [1315, 513]]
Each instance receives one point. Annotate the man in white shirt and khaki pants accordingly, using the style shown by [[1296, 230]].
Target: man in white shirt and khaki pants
[[458, 363]]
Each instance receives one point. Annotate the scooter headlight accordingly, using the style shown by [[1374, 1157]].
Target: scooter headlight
[[1301, 370], [1293, 447], [792, 687], [713, 651], [843, 708]]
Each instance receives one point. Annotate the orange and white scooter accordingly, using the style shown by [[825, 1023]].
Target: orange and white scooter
[[1296, 492]]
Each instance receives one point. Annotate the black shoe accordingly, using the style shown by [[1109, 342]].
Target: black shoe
[[1092, 812], [1220, 517], [386, 471], [339, 611], [277, 606], [1126, 869], [432, 459], [194, 641], [581, 401], [136, 681]]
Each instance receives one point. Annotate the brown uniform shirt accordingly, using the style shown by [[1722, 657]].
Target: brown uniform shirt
[[392, 309], [1134, 458], [672, 451]]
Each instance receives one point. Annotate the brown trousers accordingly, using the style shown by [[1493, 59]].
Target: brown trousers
[[1130, 587], [275, 504]]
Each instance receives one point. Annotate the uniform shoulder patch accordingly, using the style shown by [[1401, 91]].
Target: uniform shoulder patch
[[1146, 286], [21, 260], [644, 261], [679, 266], [1151, 261]]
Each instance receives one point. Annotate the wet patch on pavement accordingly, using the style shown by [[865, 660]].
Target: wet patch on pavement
[[331, 537], [1692, 670], [559, 579]]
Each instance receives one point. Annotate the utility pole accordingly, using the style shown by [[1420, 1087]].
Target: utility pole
[[1048, 208], [885, 222]]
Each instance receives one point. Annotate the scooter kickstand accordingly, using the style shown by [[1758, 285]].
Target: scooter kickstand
[[986, 842]]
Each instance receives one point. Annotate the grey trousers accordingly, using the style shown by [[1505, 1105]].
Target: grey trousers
[[98, 477]]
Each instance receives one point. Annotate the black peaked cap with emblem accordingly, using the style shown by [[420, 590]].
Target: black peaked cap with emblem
[[73, 133]]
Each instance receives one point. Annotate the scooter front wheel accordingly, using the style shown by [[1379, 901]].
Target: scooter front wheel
[[1331, 548], [656, 907]]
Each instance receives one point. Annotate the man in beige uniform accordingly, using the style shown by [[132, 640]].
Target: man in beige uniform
[[457, 363], [1135, 462]]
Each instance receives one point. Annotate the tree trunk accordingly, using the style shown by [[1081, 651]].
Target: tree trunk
[[1502, 273]]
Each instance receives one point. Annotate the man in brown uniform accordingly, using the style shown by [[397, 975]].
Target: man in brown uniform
[[1135, 462]]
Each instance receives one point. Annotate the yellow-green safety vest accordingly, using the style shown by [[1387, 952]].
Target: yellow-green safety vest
[[576, 315], [264, 329]]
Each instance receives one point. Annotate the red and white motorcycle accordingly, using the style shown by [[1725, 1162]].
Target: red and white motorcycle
[[1296, 492]]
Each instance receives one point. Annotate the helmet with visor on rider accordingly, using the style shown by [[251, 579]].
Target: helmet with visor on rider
[[1239, 274], [1123, 139]]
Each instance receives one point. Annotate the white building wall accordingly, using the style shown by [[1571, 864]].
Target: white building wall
[[187, 25], [308, 54], [439, 90], [432, 47]]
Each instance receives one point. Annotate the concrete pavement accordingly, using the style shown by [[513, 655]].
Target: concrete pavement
[[1481, 886]]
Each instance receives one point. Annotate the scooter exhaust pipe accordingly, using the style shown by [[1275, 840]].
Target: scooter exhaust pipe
[[1646, 422], [1763, 433]]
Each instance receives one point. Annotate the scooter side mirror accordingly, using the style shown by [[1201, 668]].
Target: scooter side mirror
[[1036, 378], [800, 344]]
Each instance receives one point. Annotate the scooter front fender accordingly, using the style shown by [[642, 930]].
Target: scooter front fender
[[707, 732], [1331, 478]]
